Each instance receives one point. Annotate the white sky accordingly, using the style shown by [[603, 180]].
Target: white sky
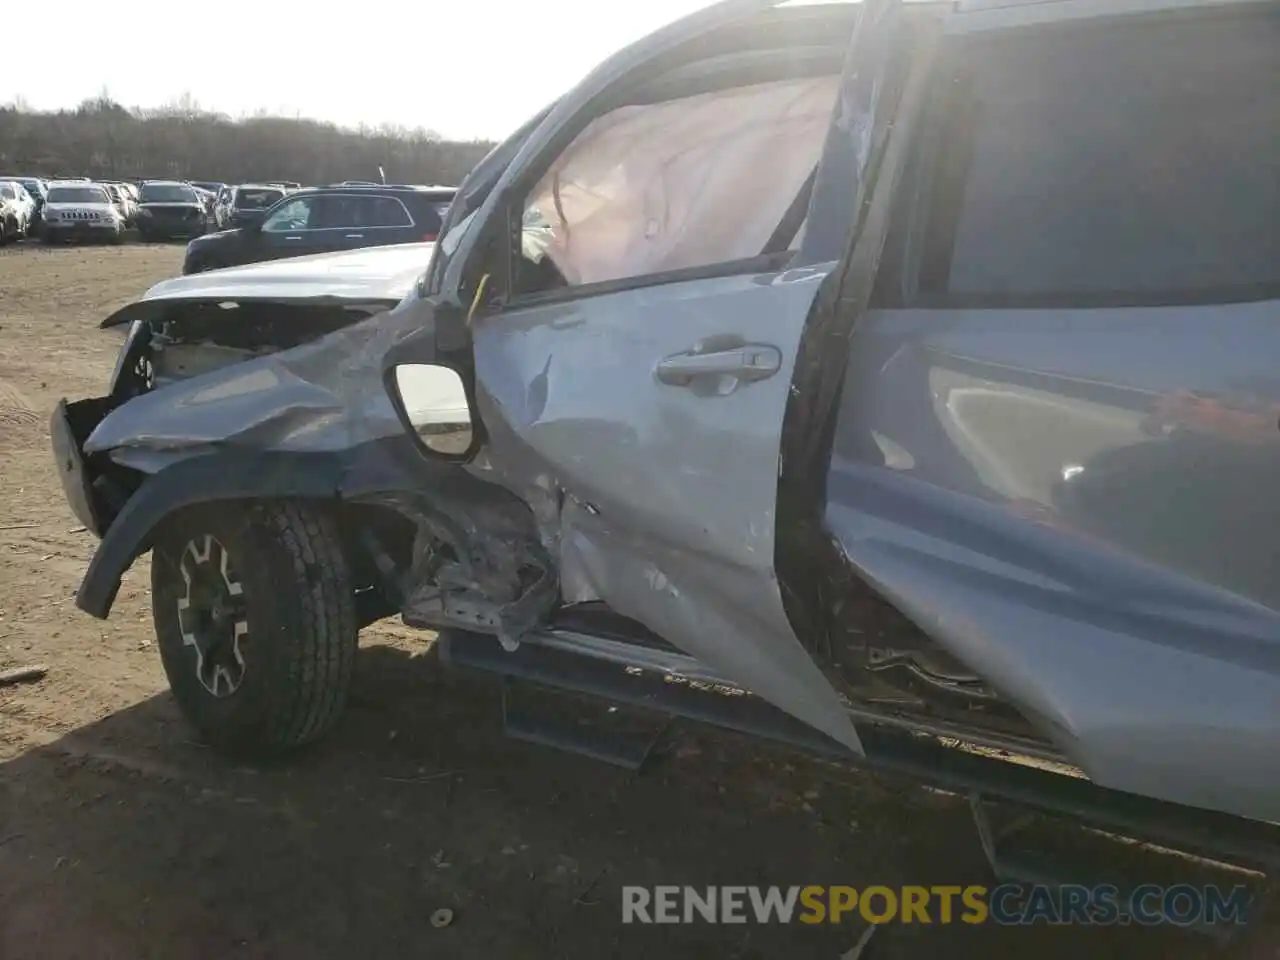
[[475, 68]]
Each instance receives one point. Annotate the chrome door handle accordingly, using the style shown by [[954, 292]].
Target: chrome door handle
[[296, 237], [353, 236], [750, 362]]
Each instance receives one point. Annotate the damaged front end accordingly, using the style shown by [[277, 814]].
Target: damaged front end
[[428, 540], [188, 327]]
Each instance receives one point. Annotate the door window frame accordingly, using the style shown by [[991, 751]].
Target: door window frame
[[498, 265], [511, 216], [285, 203]]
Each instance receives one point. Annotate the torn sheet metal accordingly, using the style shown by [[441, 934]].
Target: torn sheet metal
[[326, 395], [659, 498]]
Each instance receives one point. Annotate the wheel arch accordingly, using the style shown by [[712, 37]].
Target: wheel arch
[[203, 479]]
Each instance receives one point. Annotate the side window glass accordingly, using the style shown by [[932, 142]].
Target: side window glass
[[385, 212], [295, 215], [338, 212], [1125, 163], [683, 183]]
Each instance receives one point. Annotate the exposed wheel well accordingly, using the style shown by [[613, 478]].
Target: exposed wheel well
[[379, 544]]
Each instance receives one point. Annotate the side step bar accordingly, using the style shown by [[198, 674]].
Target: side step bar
[[626, 677]]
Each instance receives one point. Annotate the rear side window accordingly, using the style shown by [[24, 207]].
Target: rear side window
[[251, 199], [1110, 163], [382, 212]]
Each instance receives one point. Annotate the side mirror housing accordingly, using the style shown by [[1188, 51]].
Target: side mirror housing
[[431, 402]]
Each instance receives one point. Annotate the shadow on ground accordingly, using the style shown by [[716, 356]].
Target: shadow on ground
[[125, 839]]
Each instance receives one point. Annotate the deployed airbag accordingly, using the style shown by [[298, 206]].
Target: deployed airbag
[[685, 183]]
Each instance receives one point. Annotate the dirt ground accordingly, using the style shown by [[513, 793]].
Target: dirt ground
[[121, 837]]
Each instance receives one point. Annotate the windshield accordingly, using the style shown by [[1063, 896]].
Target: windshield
[[77, 195], [167, 193], [471, 195], [256, 199]]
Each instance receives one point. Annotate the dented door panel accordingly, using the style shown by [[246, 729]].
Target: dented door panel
[[1077, 505], [658, 491]]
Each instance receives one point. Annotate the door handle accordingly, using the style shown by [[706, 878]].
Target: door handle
[[353, 236], [750, 362], [295, 237]]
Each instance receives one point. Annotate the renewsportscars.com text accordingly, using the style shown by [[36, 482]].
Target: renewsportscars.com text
[[1009, 904]]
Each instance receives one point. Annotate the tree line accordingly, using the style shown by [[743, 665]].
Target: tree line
[[102, 138]]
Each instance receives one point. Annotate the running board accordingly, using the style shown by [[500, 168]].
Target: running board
[[605, 741], [925, 759]]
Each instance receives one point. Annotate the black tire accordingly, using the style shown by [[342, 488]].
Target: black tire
[[293, 623]]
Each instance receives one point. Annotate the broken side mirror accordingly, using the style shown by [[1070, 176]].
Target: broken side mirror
[[432, 404]]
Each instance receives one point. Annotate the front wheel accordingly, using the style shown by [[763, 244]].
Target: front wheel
[[255, 619]]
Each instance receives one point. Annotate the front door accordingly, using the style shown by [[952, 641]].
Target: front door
[[293, 229], [634, 382]]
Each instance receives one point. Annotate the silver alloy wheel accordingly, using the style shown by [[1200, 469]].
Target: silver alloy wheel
[[211, 615]]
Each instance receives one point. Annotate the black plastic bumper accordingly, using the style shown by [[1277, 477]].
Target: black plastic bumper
[[69, 427]]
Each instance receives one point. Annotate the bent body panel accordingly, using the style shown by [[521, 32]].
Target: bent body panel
[[1077, 504], [661, 497]]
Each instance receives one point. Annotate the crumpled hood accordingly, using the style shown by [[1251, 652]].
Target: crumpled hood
[[326, 395], [370, 274]]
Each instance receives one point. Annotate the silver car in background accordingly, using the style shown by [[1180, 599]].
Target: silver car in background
[[80, 211]]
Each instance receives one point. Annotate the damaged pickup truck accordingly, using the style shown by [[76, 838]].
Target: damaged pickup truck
[[809, 370]]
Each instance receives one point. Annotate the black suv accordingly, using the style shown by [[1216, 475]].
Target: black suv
[[325, 219]]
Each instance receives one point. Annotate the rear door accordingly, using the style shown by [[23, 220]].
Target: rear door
[[368, 220], [644, 401], [1058, 441]]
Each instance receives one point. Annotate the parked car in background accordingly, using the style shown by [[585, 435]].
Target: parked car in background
[[246, 204], [16, 211], [206, 198], [168, 209], [323, 220], [221, 204], [21, 210], [209, 186], [76, 210], [123, 201], [36, 187]]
